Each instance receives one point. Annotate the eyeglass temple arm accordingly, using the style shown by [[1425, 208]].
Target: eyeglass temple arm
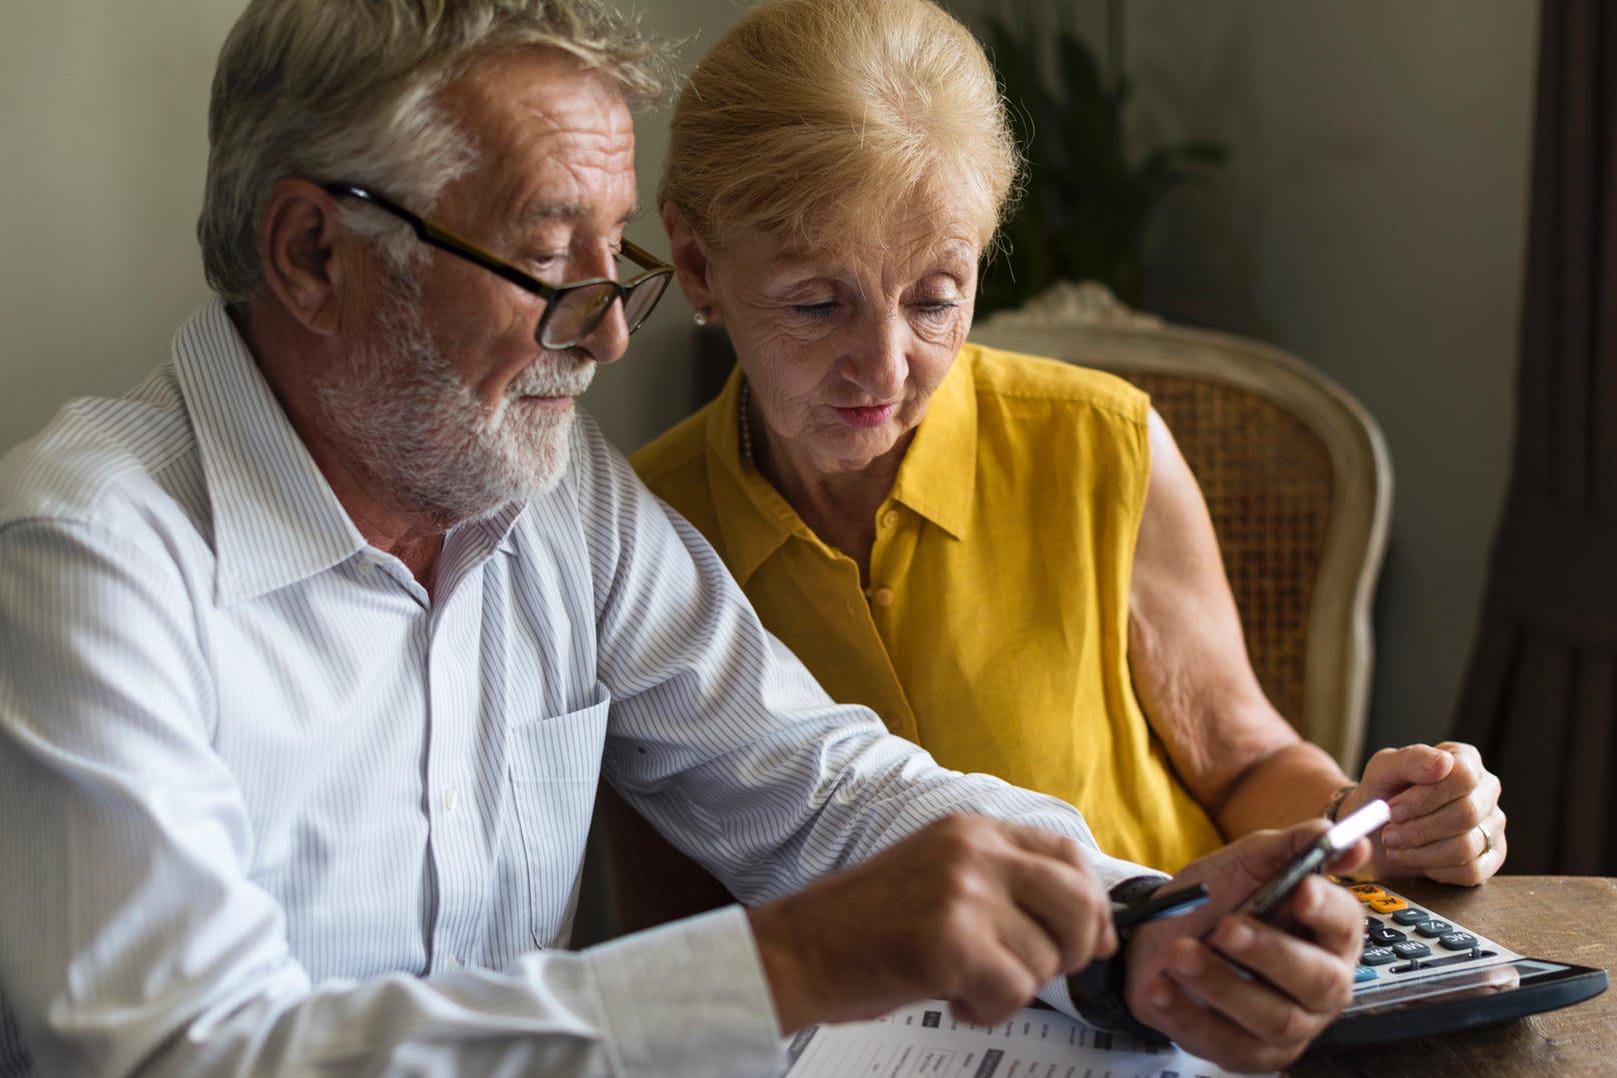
[[445, 240], [642, 257]]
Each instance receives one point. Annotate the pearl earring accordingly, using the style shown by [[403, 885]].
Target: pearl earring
[[701, 317]]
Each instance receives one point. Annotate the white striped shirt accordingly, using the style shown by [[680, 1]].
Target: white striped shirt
[[271, 810]]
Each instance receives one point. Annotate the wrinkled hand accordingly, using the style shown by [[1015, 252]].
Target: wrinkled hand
[[1181, 983], [976, 911], [1446, 821]]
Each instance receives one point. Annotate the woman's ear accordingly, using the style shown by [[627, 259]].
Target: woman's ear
[[297, 242], [689, 254]]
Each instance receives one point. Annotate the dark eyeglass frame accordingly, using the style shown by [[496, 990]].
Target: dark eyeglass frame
[[657, 273]]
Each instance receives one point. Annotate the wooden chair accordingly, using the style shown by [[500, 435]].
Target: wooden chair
[[1296, 476]]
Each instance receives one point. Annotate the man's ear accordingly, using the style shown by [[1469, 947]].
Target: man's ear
[[689, 254], [297, 242]]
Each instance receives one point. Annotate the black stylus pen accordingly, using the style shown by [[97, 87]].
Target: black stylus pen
[[1162, 905]]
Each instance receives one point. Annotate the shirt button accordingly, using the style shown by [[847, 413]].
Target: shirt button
[[451, 799], [452, 963], [365, 568], [889, 518], [882, 596]]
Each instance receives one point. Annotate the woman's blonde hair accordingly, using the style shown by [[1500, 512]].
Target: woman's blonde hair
[[817, 118]]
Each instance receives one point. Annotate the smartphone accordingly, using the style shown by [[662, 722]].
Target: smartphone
[[1365, 821]]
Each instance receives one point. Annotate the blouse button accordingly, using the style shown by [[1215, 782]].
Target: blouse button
[[882, 596], [889, 518]]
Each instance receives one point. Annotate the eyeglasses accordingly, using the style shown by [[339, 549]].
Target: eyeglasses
[[573, 310]]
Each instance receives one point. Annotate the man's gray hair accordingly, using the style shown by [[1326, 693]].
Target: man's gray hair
[[346, 90]]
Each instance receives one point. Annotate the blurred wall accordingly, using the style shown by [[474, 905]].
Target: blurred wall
[[1371, 220], [104, 143]]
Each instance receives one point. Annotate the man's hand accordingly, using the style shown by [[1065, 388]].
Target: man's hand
[[1446, 821], [1251, 995], [976, 911]]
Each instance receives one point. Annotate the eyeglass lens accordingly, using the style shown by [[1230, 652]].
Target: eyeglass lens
[[575, 312]]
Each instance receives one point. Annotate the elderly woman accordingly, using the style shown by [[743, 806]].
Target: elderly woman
[[1006, 557]]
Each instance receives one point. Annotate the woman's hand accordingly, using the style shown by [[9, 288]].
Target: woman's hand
[[1446, 820]]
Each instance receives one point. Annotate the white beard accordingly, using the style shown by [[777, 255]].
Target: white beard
[[411, 421]]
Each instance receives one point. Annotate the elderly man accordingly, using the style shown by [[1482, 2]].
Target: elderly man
[[317, 643]]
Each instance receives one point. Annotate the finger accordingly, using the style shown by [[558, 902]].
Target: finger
[[1045, 887], [1490, 837], [1349, 860], [1448, 836], [1067, 905], [994, 985], [1030, 945], [1333, 917], [1466, 779], [1462, 751], [1282, 989], [1056, 887], [1391, 771], [1309, 950], [1206, 1004], [1279, 987]]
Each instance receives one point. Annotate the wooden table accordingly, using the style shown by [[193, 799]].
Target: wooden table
[[1565, 918]]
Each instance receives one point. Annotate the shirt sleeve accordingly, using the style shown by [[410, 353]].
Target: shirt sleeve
[[132, 938]]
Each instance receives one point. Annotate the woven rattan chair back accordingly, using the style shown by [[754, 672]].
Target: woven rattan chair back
[[1296, 477]]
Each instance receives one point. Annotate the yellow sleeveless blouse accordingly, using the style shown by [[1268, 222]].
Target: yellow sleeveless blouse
[[995, 630]]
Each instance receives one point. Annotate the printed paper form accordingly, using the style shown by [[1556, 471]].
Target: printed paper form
[[922, 1041]]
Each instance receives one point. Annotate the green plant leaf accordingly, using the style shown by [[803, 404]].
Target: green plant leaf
[[1085, 205]]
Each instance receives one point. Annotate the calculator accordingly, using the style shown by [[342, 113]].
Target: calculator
[[1421, 974]]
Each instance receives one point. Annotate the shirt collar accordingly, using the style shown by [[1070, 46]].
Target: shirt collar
[[938, 478], [275, 519]]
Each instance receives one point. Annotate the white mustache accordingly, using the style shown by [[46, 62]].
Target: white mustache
[[537, 381]]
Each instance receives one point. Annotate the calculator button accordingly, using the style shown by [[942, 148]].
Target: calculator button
[[1458, 941], [1377, 956], [1411, 916], [1384, 936], [1364, 973], [1411, 949], [1388, 904], [1433, 928], [1366, 891]]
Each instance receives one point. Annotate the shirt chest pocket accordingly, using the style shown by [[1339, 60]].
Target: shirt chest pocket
[[555, 766]]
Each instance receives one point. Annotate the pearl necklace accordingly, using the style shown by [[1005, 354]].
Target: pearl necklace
[[746, 424]]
